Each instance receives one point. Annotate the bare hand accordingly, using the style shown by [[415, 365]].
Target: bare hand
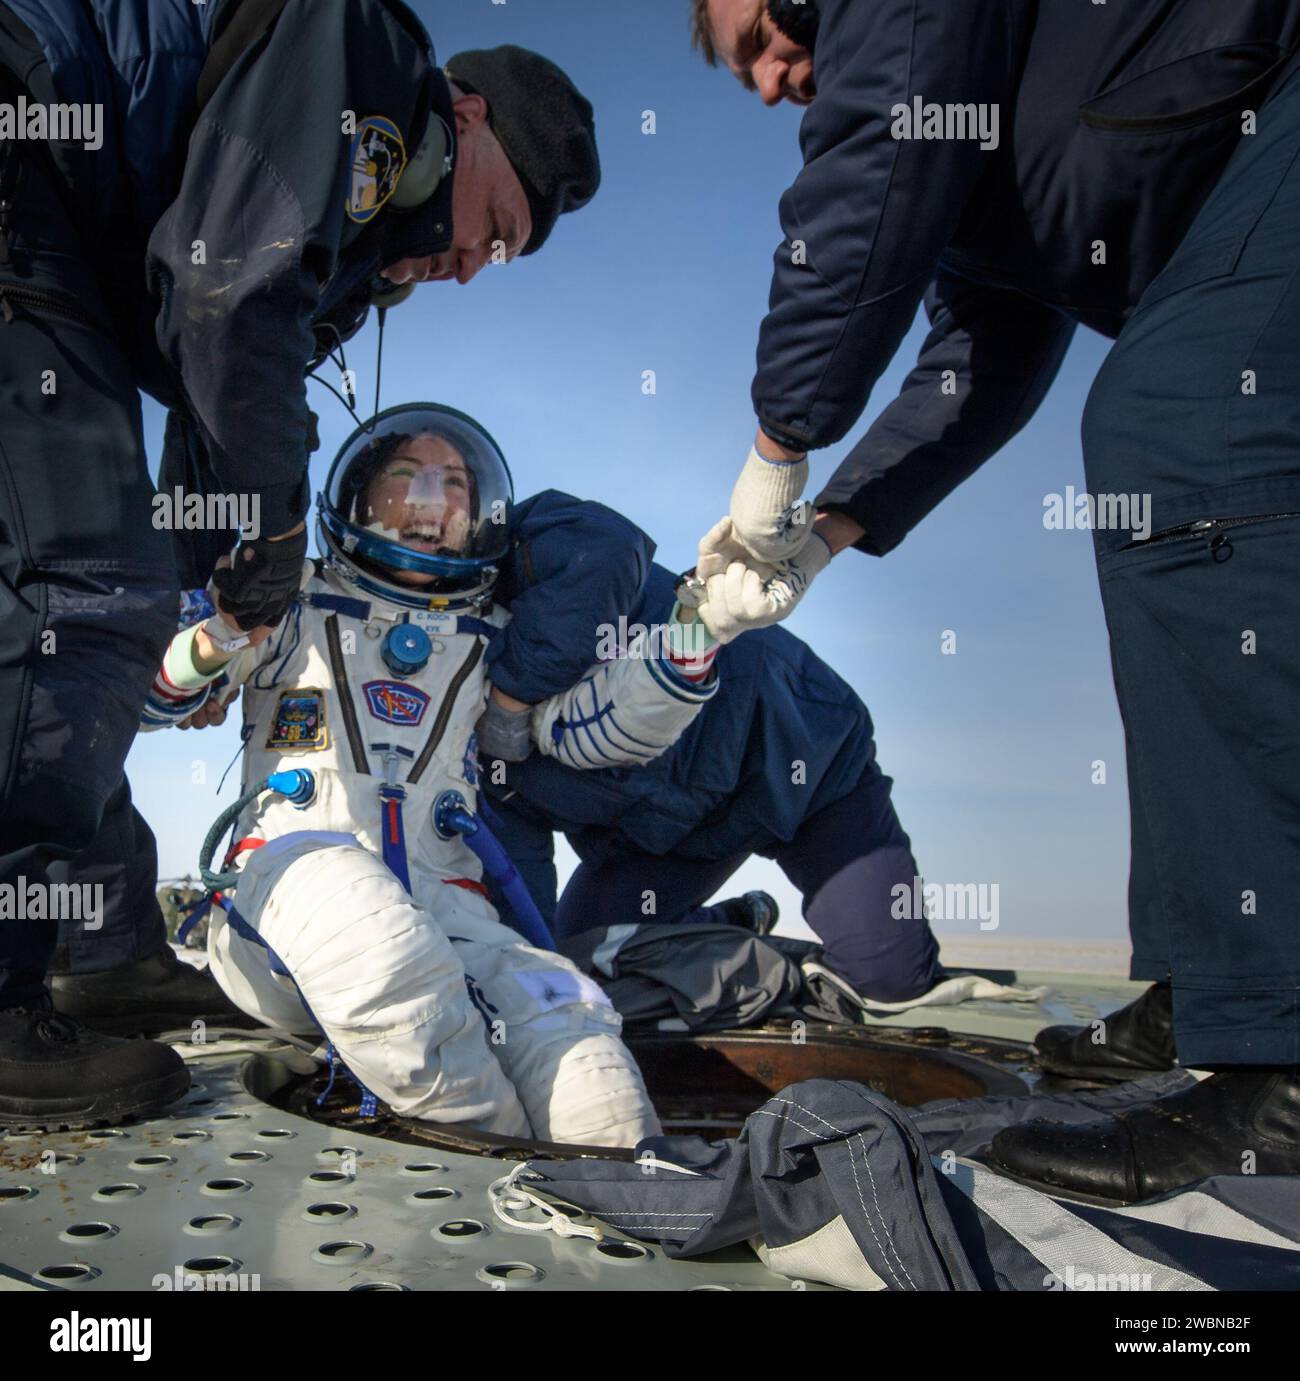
[[211, 713]]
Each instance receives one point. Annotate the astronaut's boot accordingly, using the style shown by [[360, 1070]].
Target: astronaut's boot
[[56, 1074], [1132, 1043], [156, 994]]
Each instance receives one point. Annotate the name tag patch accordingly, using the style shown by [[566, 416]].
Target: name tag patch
[[395, 702], [434, 623], [298, 724]]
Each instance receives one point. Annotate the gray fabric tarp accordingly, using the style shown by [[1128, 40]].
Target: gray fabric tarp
[[830, 1181], [688, 977]]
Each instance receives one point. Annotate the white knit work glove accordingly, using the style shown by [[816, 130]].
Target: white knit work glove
[[742, 593], [768, 518]]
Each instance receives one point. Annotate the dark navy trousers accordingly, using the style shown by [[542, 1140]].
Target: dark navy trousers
[[88, 595], [1198, 406], [846, 860]]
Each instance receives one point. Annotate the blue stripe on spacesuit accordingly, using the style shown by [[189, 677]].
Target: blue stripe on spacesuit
[[666, 675], [563, 731], [158, 715], [585, 724], [369, 1104], [246, 932], [566, 735], [651, 750]]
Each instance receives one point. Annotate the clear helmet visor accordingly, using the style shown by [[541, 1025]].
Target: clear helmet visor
[[422, 489]]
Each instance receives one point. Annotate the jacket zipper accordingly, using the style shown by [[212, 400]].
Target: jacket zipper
[[1213, 530], [25, 297]]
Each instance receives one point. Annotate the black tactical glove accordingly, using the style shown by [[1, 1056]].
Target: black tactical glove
[[261, 583]]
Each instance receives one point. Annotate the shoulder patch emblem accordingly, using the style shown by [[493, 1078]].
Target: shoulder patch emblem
[[298, 724], [378, 158], [395, 703]]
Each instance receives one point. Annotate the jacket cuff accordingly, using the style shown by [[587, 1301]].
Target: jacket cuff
[[879, 537], [283, 506], [792, 438]]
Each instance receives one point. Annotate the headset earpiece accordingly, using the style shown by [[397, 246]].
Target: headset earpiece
[[424, 170]]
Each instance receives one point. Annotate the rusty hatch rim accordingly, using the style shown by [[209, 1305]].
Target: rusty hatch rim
[[706, 1083]]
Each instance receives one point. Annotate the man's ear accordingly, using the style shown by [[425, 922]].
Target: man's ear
[[471, 110]]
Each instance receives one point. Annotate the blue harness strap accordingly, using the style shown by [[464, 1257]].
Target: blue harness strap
[[393, 833], [340, 604], [468, 624], [361, 609], [369, 1103], [193, 915]]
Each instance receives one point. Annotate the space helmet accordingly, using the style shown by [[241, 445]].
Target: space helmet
[[417, 507]]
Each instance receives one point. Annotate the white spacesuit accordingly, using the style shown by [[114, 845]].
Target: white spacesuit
[[374, 683]]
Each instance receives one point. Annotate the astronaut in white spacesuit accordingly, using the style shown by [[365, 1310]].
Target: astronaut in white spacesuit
[[371, 903]]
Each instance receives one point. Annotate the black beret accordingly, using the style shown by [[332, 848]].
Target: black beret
[[544, 124]]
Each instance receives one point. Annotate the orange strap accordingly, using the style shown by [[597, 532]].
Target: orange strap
[[242, 847], [468, 884]]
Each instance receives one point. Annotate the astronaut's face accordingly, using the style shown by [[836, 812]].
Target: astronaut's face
[[422, 499], [759, 55]]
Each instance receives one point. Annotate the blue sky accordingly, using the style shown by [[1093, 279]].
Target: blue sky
[[992, 749]]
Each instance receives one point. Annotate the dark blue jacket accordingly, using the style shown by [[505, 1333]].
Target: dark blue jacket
[[783, 737], [1115, 121], [237, 222]]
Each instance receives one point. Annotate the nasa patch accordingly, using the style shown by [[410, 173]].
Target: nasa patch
[[378, 158], [395, 703]]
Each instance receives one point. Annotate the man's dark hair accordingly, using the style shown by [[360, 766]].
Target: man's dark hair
[[702, 31]]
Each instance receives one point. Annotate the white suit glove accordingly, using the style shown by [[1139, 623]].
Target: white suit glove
[[767, 517], [742, 593]]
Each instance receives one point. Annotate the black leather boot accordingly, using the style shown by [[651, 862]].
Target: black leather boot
[[1138, 1040], [159, 993], [756, 911], [1246, 1121], [57, 1075]]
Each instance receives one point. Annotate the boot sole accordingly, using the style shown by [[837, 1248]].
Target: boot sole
[[1057, 1192], [74, 1115], [152, 1023], [1097, 1074]]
